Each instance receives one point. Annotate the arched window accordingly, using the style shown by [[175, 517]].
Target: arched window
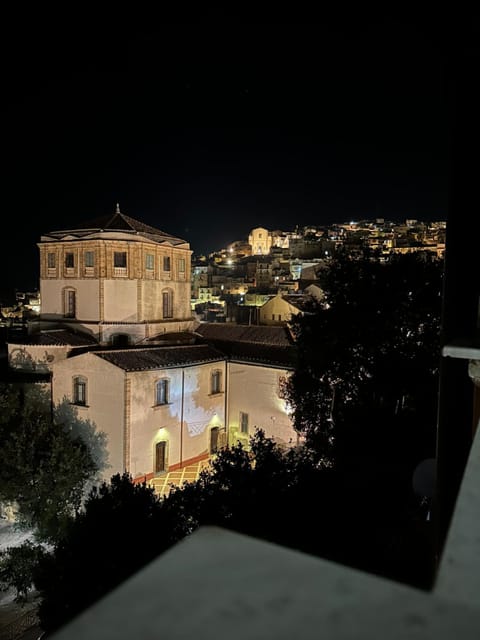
[[69, 303], [167, 303], [80, 390], [161, 456]]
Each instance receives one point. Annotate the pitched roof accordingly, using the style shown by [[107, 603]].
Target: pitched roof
[[114, 222], [170, 338], [299, 301], [226, 332], [284, 356], [161, 357], [56, 337]]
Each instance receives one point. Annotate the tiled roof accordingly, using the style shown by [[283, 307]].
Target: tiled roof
[[172, 338], [115, 222], [227, 332], [261, 354], [161, 357], [302, 302], [56, 337]]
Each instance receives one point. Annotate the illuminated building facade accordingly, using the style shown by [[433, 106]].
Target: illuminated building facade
[[119, 345]]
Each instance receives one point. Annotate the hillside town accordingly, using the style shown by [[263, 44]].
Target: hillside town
[[266, 277]]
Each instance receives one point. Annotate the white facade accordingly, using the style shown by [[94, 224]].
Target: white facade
[[255, 391], [105, 400], [118, 283], [122, 404]]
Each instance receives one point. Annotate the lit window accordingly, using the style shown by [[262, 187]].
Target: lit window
[[216, 382], [89, 258], [166, 263], [69, 260], [162, 391], [80, 391], [120, 259], [149, 261], [214, 433], [51, 260], [160, 456], [243, 422], [167, 304]]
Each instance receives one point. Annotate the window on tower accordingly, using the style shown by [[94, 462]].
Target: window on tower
[[120, 259], [89, 258]]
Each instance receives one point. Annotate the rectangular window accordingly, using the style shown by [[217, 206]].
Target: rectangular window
[[160, 457], [149, 261], [162, 392], [243, 422], [51, 260], [216, 382], [70, 303], [120, 259], [166, 263], [167, 304], [89, 258], [181, 265], [214, 433], [80, 391], [69, 260]]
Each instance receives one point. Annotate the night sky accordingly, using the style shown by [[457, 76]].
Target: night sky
[[209, 128]]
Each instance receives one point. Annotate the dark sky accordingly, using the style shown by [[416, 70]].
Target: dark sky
[[210, 127]]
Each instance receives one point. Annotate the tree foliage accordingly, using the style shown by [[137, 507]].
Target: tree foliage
[[125, 525], [282, 495], [44, 468], [17, 565], [368, 358], [117, 532]]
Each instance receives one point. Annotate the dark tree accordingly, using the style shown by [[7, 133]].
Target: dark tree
[[364, 394], [368, 358], [44, 467], [120, 529], [17, 565], [282, 495], [265, 492]]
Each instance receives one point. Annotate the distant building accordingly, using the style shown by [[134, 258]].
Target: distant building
[[281, 308], [260, 240]]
